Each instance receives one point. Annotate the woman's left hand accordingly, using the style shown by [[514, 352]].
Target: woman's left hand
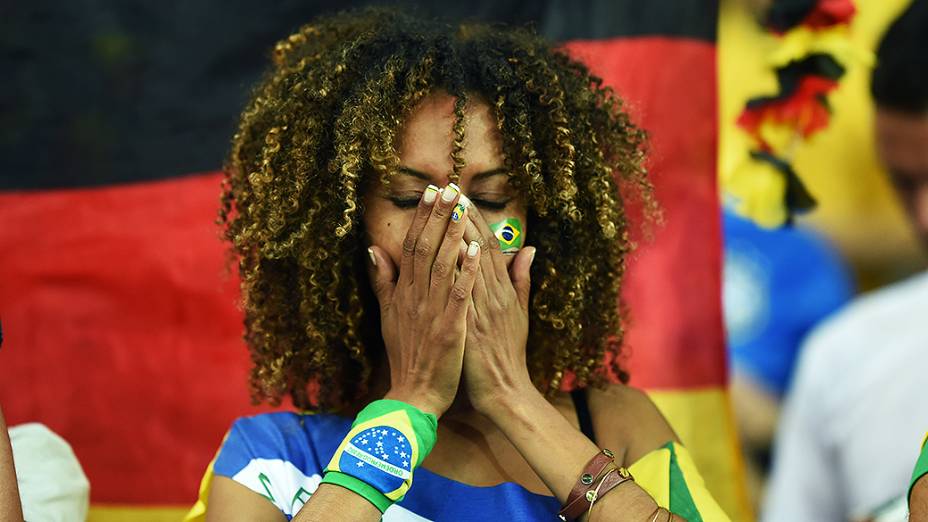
[[497, 322]]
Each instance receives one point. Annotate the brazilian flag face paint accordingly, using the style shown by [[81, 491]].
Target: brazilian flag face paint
[[509, 234]]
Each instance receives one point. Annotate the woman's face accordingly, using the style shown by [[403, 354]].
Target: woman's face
[[424, 148]]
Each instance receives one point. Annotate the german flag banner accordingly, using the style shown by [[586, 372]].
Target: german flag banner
[[119, 314]]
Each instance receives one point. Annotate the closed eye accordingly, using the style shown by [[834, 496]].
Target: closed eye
[[405, 202], [482, 203], [491, 205]]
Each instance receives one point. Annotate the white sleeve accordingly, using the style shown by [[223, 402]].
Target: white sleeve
[[805, 482], [52, 484]]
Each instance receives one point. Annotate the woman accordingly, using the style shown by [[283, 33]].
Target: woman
[[431, 241]]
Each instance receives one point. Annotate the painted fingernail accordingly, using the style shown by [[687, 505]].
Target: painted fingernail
[[431, 192], [450, 192], [472, 249], [370, 252], [458, 213]]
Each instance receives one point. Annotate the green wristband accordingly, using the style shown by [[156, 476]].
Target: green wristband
[[376, 460], [921, 467], [378, 499]]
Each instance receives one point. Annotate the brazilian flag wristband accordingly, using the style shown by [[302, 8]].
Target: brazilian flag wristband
[[376, 460]]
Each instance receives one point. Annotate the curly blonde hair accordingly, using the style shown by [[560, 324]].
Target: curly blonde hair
[[323, 122]]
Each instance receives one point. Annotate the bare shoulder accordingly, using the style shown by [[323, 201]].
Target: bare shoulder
[[230, 501], [629, 419]]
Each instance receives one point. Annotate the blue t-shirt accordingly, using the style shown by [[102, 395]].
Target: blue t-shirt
[[281, 456], [778, 284]]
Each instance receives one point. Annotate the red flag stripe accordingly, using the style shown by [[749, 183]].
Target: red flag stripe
[[673, 289]]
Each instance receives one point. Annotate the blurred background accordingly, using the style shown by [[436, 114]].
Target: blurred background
[[120, 326]]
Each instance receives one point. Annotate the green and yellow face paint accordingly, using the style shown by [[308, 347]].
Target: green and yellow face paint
[[509, 234]]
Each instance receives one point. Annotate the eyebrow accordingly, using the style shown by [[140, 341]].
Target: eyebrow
[[477, 177]]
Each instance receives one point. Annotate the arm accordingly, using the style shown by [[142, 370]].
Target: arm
[[423, 312], [499, 385], [333, 503], [230, 501], [918, 502], [10, 507], [558, 452], [918, 493]]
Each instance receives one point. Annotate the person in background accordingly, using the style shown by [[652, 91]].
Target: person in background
[[777, 285], [47, 483], [52, 485], [853, 420]]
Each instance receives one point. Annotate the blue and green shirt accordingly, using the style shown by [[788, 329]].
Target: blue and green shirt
[[281, 456]]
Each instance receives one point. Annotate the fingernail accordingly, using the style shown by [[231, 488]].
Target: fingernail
[[532, 258], [458, 213], [472, 249], [450, 192], [429, 195], [370, 252]]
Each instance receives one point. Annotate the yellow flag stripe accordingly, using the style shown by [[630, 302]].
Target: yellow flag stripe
[[136, 513], [703, 420], [651, 472], [708, 508]]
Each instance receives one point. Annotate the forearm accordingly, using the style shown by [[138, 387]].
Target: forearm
[[10, 507], [336, 504], [918, 502], [558, 452]]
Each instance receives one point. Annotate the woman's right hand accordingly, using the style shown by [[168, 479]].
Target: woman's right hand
[[423, 309]]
